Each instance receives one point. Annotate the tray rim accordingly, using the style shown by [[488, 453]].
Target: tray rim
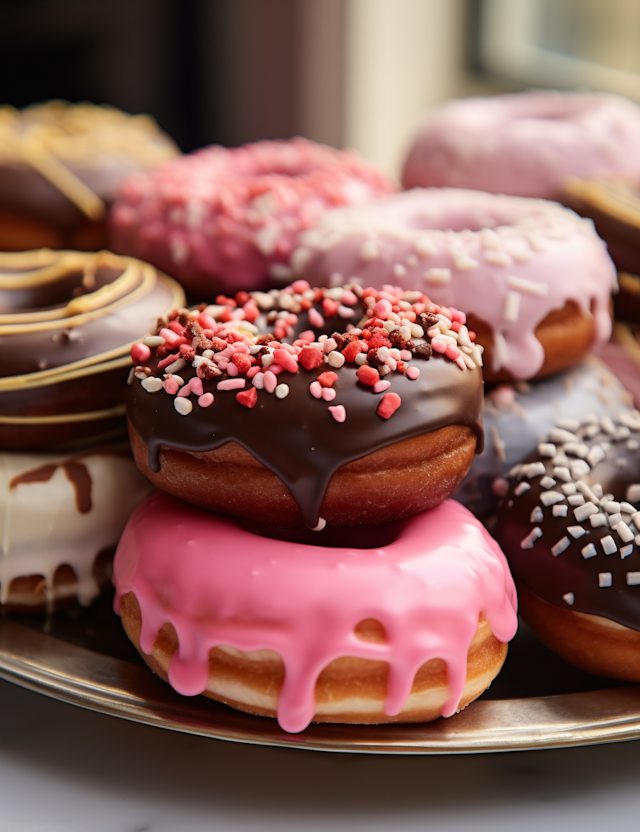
[[56, 668]]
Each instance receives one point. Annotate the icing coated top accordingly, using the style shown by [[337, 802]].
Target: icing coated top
[[427, 588], [509, 261]]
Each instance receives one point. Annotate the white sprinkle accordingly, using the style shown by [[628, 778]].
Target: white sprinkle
[[561, 436], [361, 358], [627, 508], [560, 546], [369, 251], [153, 341], [425, 246], [537, 515], [546, 449], [633, 445], [151, 384], [633, 578], [606, 423], [321, 524], [399, 270], [612, 507], [569, 597], [582, 512], [282, 391], [608, 545], [583, 488], [576, 531], [633, 493], [579, 468], [636, 520], [335, 359], [625, 533], [548, 498], [437, 275], [177, 365], [568, 424], [528, 286], [511, 306], [560, 511], [521, 488], [132, 374], [576, 449], [534, 469], [605, 579], [461, 260], [626, 551], [575, 500], [530, 539], [598, 520], [562, 473], [548, 482], [183, 405], [569, 489], [589, 551], [614, 519]]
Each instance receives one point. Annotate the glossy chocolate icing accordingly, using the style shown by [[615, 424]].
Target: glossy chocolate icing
[[568, 579]]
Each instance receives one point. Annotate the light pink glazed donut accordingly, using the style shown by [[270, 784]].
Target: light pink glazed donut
[[525, 144], [406, 631], [221, 220], [510, 263]]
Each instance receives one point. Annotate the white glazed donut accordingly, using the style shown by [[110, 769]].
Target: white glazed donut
[[57, 511], [511, 264], [525, 144]]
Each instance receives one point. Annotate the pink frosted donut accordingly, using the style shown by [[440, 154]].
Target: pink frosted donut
[[525, 144], [513, 265], [407, 631], [221, 220]]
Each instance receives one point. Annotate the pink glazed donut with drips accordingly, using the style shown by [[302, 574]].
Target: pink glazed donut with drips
[[525, 144], [506, 261], [231, 599]]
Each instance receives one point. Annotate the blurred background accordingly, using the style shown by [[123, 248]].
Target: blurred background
[[357, 73]]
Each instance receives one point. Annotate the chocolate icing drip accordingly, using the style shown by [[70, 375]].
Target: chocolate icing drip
[[297, 438], [80, 478], [41, 474]]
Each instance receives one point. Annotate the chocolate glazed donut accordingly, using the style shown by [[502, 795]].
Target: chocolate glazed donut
[[325, 434], [67, 321]]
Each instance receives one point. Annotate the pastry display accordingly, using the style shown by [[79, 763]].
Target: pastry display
[[570, 527], [220, 220], [60, 167], [60, 520], [67, 322], [534, 278], [525, 144], [410, 628], [518, 416], [371, 424]]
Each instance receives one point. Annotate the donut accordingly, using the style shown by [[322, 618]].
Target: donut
[[412, 628], [525, 144], [570, 528], [60, 166], [60, 519], [535, 279], [221, 220], [67, 322], [374, 423], [518, 416]]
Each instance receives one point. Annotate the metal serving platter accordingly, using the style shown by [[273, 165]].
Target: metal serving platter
[[538, 701]]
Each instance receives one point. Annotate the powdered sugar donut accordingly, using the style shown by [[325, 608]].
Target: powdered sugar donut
[[525, 144], [405, 631], [534, 278], [220, 220]]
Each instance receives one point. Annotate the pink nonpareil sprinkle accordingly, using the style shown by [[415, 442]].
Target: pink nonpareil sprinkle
[[439, 346], [253, 371], [140, 353], [168, 360], [232, 370], [184, 391], [315, 318], [328, 394], [316, 389], [452, 352], [231, 384], [270, 381], [381, 386], [413, 373], [308, 335], [206, 400], [382, 309], [196, 386], [171, 386], [286, 360], [338, 412], [389, 404]]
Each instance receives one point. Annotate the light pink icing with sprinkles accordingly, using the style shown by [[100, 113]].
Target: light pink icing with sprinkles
[[509, 261], [219, 585]]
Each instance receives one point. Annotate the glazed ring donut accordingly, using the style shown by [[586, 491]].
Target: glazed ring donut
[[517, 416], [525, 144], [570, 527], [67, 322], [60, 167], [60, 519], [404, 632], [535, 279], [369, 425], [220, 220]]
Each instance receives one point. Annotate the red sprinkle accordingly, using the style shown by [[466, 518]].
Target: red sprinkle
[[330, 307], [248, 398], [368, 375], [242, 361], [140, 353], [389, 403], [311, 358], [327, 379], [353, 349]]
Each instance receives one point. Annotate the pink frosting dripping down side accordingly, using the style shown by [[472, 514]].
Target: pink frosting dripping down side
[[219, 584]]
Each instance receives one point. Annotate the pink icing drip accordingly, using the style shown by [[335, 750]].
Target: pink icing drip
[[221, 585]]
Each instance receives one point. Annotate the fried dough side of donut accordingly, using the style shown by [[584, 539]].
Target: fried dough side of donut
[[349, 689]]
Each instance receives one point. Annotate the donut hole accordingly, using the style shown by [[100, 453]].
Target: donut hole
[[370, 629]]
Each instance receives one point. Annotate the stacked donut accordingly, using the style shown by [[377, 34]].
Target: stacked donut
[[325, 575], [67, 322]]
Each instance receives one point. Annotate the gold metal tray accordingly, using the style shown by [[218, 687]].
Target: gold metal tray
[[538, 701]]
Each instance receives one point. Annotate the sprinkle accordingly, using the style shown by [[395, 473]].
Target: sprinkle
[[335, 359], [605, 579], [338, 412], [560, 546], [316, 389], [140, 353], [512, 306], [625, 533], [561, 436], [528, 286], [388, 405], [560, 511], [583, 488], [569, 489], [282, 391], [412, 373], [177, 365], [611, 507], [153, 341], [579, 468], [530, 539], [608, 545], [548, 498], [534, 469], [575, 500], [537, 515], [437, 275], [633, 578], [381, 386], [368, 375], [546, 449], [521, 488], [589, 551], [270, 381], [548, 482], [582, 512], [562, 473], [231, 384], [595, 456], [570, 598], [633, 493], [328, 393], [598, 520], [206, 400], [183, 406], [321, 524], [151, 384], [568, 424], [248, 398], [576, 531], [626, 551]]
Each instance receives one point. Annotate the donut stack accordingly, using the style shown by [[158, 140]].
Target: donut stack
[[326, 576], [67, 321]]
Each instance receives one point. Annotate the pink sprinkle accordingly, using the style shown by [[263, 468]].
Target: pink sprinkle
[[270, 381], [439, 346], [185, 390], [504, 396], [300, 286], [140, 353], [276, 369], [239, 346], [168, 360], [349, 298], [308, 336], [328, 394], [382, 309], [223, 363], [452, 352], [171, 386], [206, 321], [338, 412], [196, 386], [206, 400], [389, 403], [231, 384], [413, 373], [231, 369], [253, 371], [458, 316], [174, 326], [315, 318], [405, 355], [171, 338], [433, 332], [460, 363], [316, 389], [286, 360], [381, 386]]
